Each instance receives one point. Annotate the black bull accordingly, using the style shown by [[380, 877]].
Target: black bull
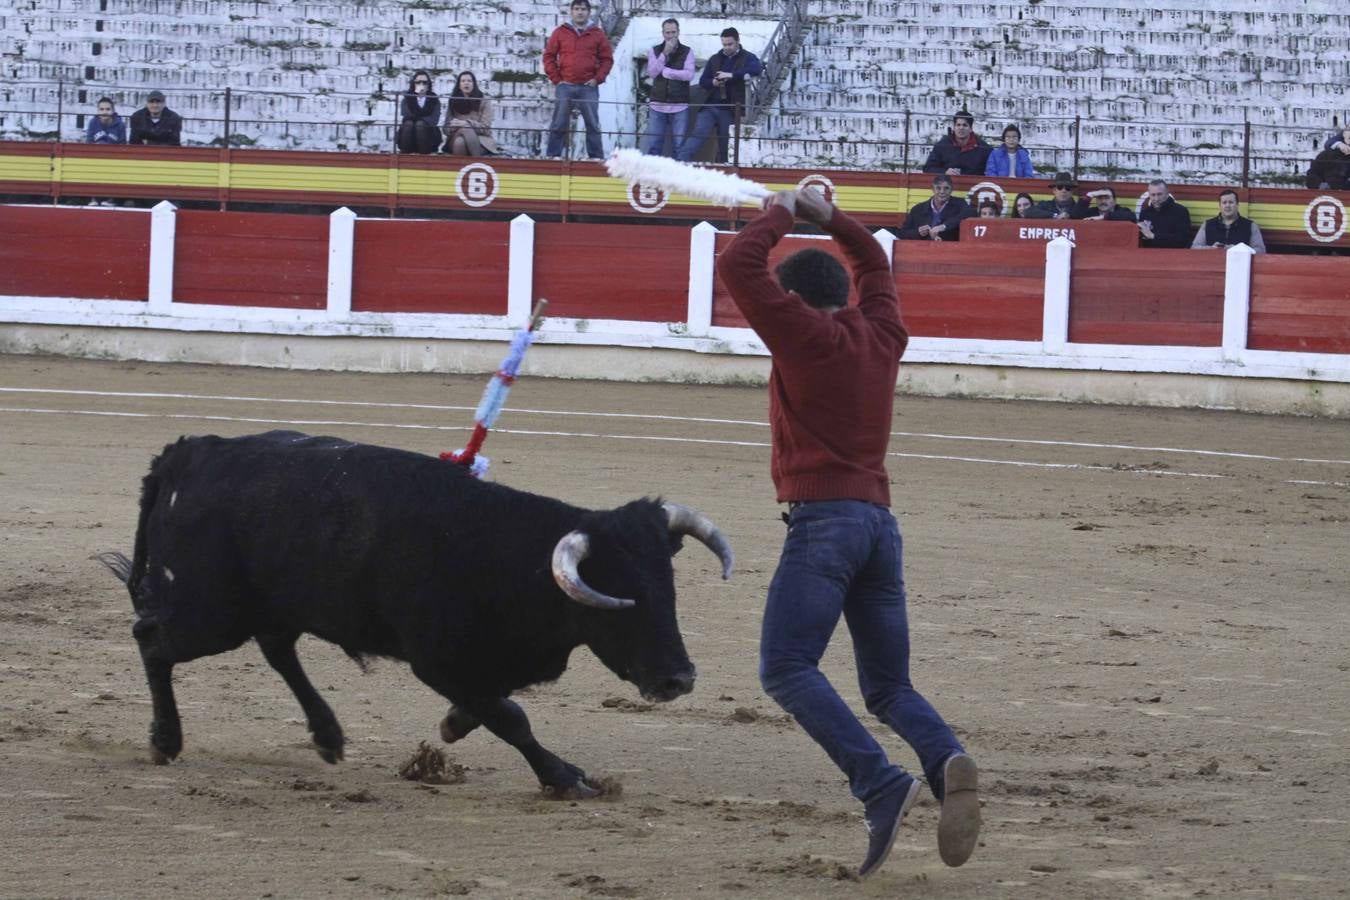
[[481, 588]]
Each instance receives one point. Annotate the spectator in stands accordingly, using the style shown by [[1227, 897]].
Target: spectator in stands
[[419, 129], [1330, 170], [1229, 228], [670, 66], [988, 209], [1107, 210], [1010, 159], [1163, 222], [1061, 205], [1021, 203], [577, 59], [961, 151], [1338, 141], [468, 123], [723, 79], [107, 127], [939, 217], [155, 123]]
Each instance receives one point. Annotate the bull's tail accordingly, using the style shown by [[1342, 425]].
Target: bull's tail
[[132, 571], [117, 563]]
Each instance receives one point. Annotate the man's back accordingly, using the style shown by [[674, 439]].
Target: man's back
[[832, 387]]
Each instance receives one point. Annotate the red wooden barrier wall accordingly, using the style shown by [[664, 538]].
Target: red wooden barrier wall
[[431, 266], [989, 292], [1299, 303], [251, 259], [96, 254], [613, 271], [1154, 297]]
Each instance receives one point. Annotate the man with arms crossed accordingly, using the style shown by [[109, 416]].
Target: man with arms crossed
[[831, 391]]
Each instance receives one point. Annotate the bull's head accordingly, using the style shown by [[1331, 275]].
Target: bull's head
[[626, 554]]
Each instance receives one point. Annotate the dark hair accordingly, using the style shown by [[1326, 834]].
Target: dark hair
[[412, 87], [461, 102], [816, 276], [665, 22], [1014, 213], [1223, 194], [107, 100], [585, 3], [988, 204], [731, 33], [942, 178], [1112, 191], [1013, 128], [964, 115]]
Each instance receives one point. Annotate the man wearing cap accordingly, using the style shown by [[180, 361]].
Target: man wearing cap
[[961, 151], [1062, 205], [1107, 210], [155, 123]]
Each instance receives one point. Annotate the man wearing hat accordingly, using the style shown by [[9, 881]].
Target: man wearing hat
[[1062, 205], [961, 151], [155, 123]]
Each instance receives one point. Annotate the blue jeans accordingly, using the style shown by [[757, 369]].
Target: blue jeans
[[710, 118], [845, 556], [658, 123], [586, 99]]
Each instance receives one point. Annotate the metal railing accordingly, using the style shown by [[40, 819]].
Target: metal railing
[[1240, 163], [776, 56]]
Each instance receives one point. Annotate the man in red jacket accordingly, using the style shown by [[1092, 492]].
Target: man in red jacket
[[577, 58], [831, 393]]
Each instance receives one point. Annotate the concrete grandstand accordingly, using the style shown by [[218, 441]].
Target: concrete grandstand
[[1183, 88]]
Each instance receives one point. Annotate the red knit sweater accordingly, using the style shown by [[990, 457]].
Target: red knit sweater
[[832, 384]]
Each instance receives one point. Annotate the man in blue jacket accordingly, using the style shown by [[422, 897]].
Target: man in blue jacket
[[723, 78], [107, 127]]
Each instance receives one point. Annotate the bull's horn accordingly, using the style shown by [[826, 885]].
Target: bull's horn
[[684, 520], [567, 555]]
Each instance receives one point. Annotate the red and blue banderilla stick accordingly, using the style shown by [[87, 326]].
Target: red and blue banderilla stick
[[494, 396]]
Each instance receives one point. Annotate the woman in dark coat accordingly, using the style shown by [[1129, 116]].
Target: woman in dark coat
[[419, 131]]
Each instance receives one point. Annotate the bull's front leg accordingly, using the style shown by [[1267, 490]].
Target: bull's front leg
[[508, 721]]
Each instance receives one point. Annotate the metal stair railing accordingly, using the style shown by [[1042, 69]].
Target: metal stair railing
[[778, 53]]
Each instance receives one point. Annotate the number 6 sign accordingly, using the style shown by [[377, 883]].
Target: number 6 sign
[[476, 184]]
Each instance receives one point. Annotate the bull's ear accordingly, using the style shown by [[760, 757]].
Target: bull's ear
[[676, 542]]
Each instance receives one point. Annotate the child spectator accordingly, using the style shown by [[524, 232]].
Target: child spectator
[[1010, 159], [419, 131], [988, 209], [468, 125]]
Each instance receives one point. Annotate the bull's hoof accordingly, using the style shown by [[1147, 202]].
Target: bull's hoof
[[580, 790], [165, 744], [330, 755], [328, 743]]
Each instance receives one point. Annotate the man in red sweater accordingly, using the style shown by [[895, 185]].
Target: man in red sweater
[[831, 393], [577, 59]]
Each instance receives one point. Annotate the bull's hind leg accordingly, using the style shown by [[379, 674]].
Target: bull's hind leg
[[166, 731], [508, 721], [279, 649]]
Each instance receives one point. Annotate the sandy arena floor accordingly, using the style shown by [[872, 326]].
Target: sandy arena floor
[[1135, 619]]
